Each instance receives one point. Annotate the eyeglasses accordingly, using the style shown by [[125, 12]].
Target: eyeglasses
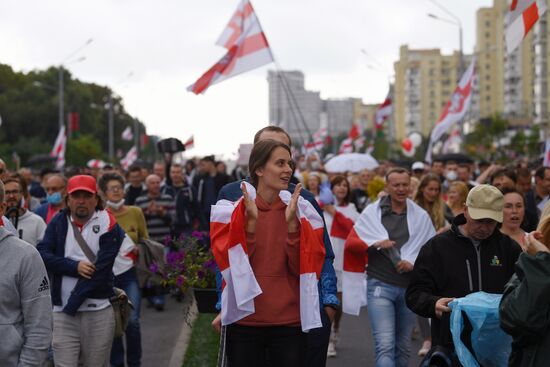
[[115, 189], [12, 192]]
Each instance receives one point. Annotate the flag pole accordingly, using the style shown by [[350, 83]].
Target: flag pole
[[288, 92]]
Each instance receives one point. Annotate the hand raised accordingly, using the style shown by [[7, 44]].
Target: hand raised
[[290, 212], [251, 210]]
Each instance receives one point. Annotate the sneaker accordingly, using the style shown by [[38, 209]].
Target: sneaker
[[334, 337], [426, 346], [331, 351]]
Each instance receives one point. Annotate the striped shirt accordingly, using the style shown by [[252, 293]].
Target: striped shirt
[[158, 226]]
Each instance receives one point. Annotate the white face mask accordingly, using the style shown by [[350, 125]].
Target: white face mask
[[115, 205], [451, 175]]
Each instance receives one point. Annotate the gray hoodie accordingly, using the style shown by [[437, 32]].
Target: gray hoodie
[[25, 304]]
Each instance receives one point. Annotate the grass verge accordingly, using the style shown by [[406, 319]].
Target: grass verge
[[203, 346]]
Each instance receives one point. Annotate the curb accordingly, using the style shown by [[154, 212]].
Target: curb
[[178, 354]]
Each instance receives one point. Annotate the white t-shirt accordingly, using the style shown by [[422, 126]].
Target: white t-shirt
[[91, 232]]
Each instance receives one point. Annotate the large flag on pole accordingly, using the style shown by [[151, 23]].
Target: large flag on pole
[[455, 109], [521, 17], [190, 143], [59, 147], [130, 158], [384, 111], [247, 49]]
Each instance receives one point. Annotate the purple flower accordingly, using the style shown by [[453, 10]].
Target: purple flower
[[198, 235], [154, 267], [179, 280], [200, 274], [167, 240]]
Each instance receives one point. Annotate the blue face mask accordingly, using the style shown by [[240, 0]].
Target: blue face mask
[[54, 198]]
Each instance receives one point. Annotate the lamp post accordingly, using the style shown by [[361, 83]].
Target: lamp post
[[111, 120], [61, 81], [455, 21]]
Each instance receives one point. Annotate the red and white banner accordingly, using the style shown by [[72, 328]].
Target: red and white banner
[[190, 143], [247, 49], [339, 227], [384, 111], [240, 287], [59, 148], [455, 109], [367, 231], [359, 143], [346, 146], [95, 164], [319, 138], [546, 161], [127, 134], [521, 17], [130, 158]]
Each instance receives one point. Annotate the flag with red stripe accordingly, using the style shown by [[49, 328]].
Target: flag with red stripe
[[247, 49], [130, 158], [190, 143], [240, 286], [59, 148], [455, 109], [383, 112], [521, 17], [369, 231], [346, 146]]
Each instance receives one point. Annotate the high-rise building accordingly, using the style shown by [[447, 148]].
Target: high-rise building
[[504, 82], [424, 81], [291, 106]]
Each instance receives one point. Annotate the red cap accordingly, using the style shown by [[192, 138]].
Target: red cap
[[82, 183]]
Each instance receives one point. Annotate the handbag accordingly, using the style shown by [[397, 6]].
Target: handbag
[[120, 302]]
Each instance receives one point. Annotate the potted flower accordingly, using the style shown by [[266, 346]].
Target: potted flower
[[190, 265]]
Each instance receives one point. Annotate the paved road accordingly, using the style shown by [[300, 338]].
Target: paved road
[[356, 347], [160, 332]]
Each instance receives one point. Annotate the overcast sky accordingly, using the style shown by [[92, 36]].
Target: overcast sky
[[168, 44]]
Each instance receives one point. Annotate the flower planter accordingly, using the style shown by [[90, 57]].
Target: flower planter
[[206, 299]]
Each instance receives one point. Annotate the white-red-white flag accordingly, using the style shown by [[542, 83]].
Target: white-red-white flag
[[359, 143], [546, 161], [319, 138], [190, 143], [346, 146], [455, 109], [384, 111], [59, 147], [95, 164], [521, 17], [127, 134], [247, 49], [130, 158]]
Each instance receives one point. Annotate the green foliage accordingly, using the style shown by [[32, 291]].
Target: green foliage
[[29, 109], [202, 350], [81, 149]]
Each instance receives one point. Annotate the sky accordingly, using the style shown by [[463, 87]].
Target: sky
[[168, 44]]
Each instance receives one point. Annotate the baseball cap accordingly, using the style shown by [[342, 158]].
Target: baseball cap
[[485, 201], [82, 183], [418, 166]]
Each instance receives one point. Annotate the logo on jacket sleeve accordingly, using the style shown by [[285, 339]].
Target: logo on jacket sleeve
[[44, 286], [495, 261], [95, 228]]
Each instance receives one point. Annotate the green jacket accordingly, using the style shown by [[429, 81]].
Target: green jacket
[[525, 311]]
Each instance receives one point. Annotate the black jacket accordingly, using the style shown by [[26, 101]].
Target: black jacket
[[532, 213], [449, 265], [525, 310]]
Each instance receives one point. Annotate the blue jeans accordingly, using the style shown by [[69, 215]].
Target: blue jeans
[[392, 323], [129, 283]]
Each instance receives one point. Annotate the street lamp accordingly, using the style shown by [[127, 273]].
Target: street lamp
[[67, 60], [111, 120], [455, 21]]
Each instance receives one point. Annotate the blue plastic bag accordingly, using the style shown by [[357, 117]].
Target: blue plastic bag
[[490, 343]]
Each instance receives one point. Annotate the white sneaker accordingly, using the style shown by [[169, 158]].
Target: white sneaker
[[331, 351]]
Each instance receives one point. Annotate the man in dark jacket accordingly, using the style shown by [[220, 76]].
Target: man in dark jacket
[[81, 285], [473, 256]]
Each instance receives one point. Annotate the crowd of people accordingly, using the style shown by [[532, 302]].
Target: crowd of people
[[423, 235]]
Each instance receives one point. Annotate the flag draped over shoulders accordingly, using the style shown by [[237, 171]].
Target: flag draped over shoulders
[[367, 231], [240, 286]]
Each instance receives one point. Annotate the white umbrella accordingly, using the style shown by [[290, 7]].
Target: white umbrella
[[351, 162]]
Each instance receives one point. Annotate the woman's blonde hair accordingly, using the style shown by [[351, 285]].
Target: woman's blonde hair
[[544, 228], [436, 210], [462, 190]]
